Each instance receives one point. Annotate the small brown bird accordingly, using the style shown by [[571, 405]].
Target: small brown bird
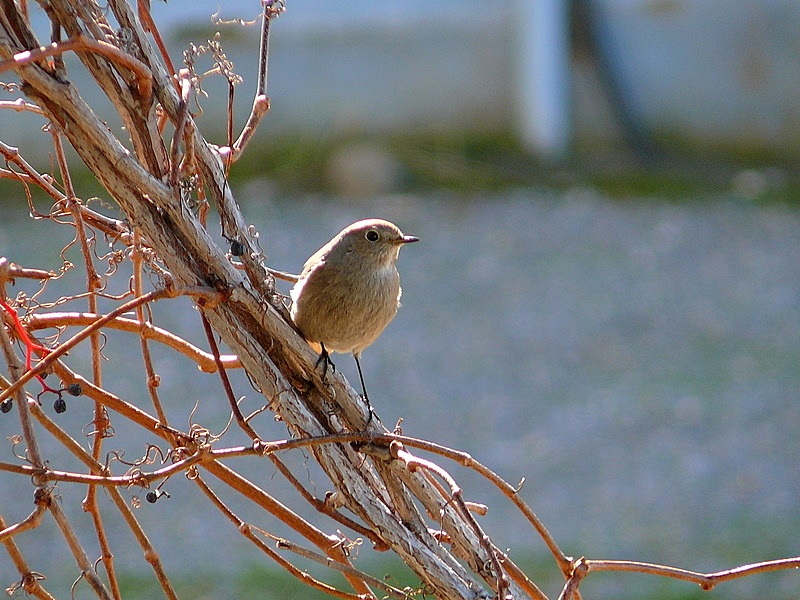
[[349, 290]]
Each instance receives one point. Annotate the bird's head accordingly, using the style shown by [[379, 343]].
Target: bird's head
[[375, 239]]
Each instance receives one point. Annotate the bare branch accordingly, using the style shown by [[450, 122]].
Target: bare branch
[[166, 188]]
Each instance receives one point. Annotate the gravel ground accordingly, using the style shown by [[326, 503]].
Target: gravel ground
[[636, 362]]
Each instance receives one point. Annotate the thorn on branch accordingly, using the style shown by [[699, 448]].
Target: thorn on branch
[[477, 508], [41, 497], [579, 570], [28, 583], [274, 8]]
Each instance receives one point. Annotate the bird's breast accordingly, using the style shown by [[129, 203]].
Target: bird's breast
[[346, 310]]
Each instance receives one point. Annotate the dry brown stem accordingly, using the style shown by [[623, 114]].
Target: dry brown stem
[[206, 361]]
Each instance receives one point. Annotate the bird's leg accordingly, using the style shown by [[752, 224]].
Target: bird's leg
[[364, 393], [325, 359]]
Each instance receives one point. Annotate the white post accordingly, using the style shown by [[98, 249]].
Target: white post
[[543, 76]]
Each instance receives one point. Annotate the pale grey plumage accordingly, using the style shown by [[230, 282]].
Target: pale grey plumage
[[349, 290]]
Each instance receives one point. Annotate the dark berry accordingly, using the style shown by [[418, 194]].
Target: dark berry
[[237, 248]]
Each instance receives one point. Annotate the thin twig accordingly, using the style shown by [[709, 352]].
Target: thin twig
[[143, 10], [283, 543], [226, 383], [117, 404], [152, 379], [58, 352], [325, 507], [20, 105], [246, 530], [81, 559], [145, 329], [261, 101], [512, 493], [79, 452], [255, 494], [706, 581], [137, 478], [84, 44], [30, 580], [412, 462], [29, 522], [15, 389], [185, 86], [101, 420], [10, 271]]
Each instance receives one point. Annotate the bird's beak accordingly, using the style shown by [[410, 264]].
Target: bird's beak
[[407, 239]]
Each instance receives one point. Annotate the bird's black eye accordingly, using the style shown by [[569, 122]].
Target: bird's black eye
[[372, 235]]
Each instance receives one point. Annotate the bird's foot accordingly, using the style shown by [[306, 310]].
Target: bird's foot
[[325, 359], [370, 410]]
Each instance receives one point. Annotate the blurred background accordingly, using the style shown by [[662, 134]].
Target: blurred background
[[606, 299]]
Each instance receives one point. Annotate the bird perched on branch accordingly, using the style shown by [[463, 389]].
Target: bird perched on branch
[[349, 291]]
